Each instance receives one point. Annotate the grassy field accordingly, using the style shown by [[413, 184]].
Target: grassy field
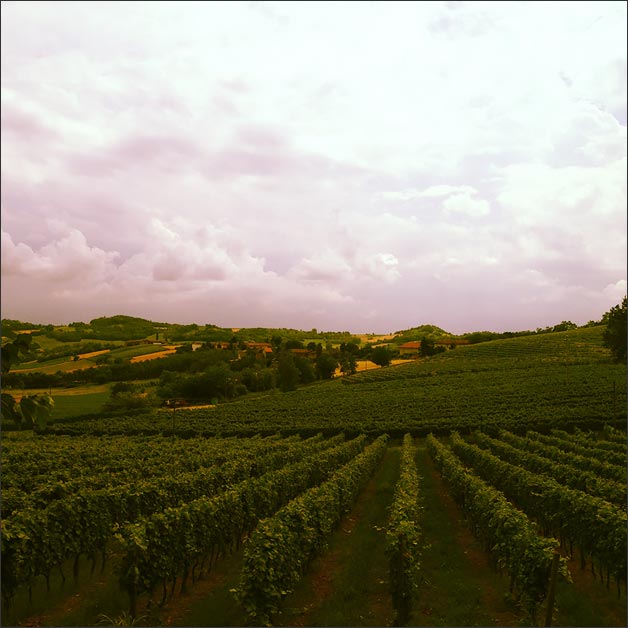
[[71, 402]]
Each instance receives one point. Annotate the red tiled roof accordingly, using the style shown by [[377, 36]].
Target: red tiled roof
[[415, 344]]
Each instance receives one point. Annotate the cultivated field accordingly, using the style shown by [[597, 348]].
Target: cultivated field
[[375, 499]]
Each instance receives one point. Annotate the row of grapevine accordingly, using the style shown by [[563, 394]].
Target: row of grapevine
[[610, 490], [29, 466], [403, 535], [462, 397], [569, 445], [615, 435], [505, 531], [282, 546], [598, 527], [600, 468], [34, 541], [178, 540], [209, 474], [590, 440]]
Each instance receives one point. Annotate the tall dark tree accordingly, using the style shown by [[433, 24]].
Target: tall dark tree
[[287, 372], [381, 356], [615, 333], [306, 370], [326, 365]]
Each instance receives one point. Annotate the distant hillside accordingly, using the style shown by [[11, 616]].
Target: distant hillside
[[432, 332], [543, 381]]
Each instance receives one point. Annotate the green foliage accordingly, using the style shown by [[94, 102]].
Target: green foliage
[[287, 372], [124, 401], [381, 356], [507, 532], [168, 543], [306, 369], [615, 333], [216, 380], [282, 547], [565, 468], [13, 350], [326, 365], [599, 528], [403, 536], [416, 333], [32, 411], [69, 507]]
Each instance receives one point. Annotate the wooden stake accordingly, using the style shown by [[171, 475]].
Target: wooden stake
[[552, 589]]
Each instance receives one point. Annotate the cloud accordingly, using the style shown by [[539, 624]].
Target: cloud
[[434, 191], [382, 266], [466, 205], [327, 265], [69, 259], [215, 160]]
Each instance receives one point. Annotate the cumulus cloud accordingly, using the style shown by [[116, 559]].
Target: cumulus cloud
[[69, 259], [343, 185], [465, 204]]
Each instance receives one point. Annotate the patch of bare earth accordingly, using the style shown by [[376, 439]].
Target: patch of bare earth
[[153, 356], [594, 587], [67, 605], [180, 605]]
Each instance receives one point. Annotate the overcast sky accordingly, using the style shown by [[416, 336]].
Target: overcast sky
[[361, 166]]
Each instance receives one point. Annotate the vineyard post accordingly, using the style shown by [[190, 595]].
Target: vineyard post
[[552, 589]]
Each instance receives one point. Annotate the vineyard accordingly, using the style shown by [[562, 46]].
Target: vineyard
[[556, 380], [248, 509]]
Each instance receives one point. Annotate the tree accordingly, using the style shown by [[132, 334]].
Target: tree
[[306, 371], [326, 365], [33, 410], [615, 333], [564, 326], [381, 356], [287, 372]]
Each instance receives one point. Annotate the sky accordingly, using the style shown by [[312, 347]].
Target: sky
[[358, 166]]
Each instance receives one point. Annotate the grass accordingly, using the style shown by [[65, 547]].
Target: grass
[[456, 568], [67, 406], [587, 602], [66, 364], [459, 587], [70, 603], [131, 352], [349, 585], [70, 402]]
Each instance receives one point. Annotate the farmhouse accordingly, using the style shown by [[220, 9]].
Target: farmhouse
[[409, 349], [261, 347]]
